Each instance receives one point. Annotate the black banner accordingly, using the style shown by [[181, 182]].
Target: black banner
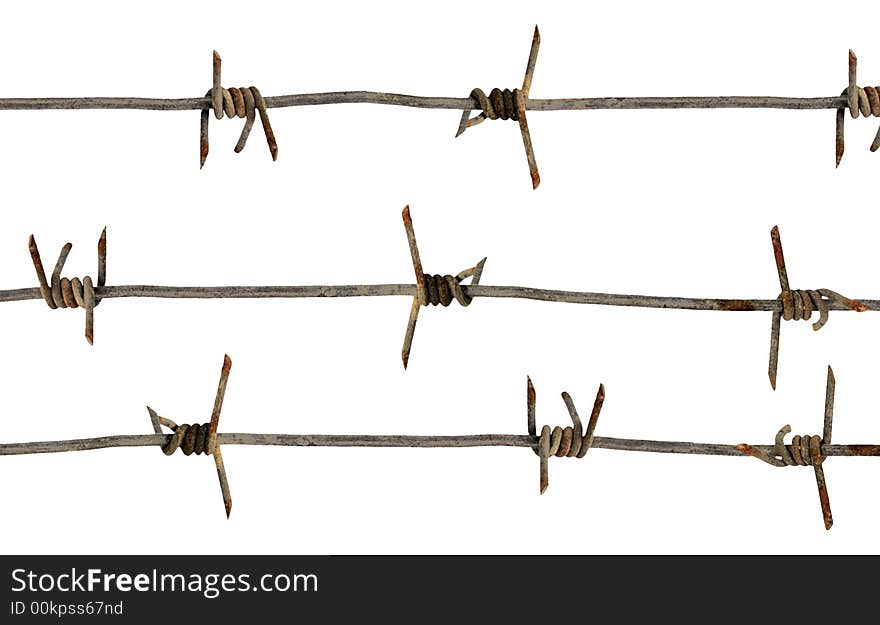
[[266, 588]]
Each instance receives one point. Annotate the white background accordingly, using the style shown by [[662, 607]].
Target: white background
[[655, 202]]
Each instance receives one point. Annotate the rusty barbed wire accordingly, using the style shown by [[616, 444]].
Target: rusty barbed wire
[[568, 442], [571, 441], [499, 104], [242, 102], [864, 101], [804, 450], [199, 438], [71, 293], [428, 287], [798, 305], [441, 290]]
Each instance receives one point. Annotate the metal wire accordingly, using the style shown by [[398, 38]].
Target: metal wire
[[439, 289], [570, 441], [504, 104]]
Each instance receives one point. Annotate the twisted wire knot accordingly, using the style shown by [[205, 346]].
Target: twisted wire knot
[[864, 101], [508, 104], [242, 102], [567, 442], [501, 104], [803, 451], [859, 100], [441, 290], [432, 289], [199, 438], [799, 304], [563, 442], [69, 293], [572, 441], [191, 439], [236, 102], [74, 292]]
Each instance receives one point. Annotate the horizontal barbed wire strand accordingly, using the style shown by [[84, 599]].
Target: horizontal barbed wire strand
[[470, 440], [427, 102], [573, 441], [505, 104], [442, 289], [409, 290]]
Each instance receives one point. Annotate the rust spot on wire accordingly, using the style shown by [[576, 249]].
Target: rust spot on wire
[[862, 450], [748, 450]]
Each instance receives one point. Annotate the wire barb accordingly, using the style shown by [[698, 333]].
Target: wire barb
[[199, 438], [434, 289], [859, 100], [804, 450], [507, 104], [568, 442], [243, 102], [71, 292], [798, 304]]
